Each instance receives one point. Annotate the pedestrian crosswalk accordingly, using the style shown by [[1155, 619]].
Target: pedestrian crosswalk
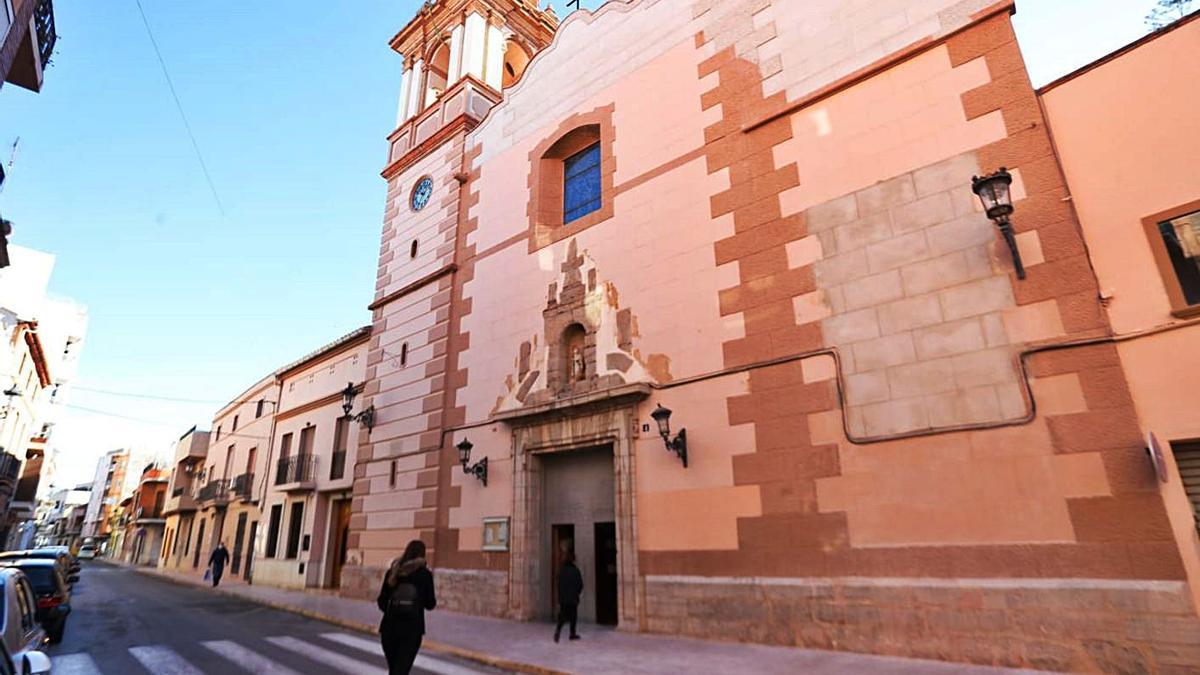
[[325, 653]]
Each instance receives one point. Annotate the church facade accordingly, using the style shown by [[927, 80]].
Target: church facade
[[699, 290]]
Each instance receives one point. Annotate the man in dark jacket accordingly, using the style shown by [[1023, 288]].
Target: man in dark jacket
[[216, 561], [570, 585]]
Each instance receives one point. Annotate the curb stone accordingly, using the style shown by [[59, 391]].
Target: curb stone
[[430, 645]]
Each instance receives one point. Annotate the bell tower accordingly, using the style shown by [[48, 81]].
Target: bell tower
[[459, 55], [490, 41]]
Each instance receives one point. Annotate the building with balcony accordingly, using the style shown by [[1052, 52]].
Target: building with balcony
[[40, 341], [106, 495], [144, 521], [306, 509], [60, 516], [234, 476], [27, 37], [710, 290], [186, 470]]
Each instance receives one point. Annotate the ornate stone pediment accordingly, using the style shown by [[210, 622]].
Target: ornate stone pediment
[[586, 344]]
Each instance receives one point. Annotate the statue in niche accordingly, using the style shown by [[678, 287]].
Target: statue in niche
[[578, 367]]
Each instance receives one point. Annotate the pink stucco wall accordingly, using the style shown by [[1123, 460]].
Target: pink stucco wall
[[1122, 168]]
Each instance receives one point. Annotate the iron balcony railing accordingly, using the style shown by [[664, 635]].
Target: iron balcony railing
[[297, 469], [243, 487], [213, 490], [148, 514], [10, 467], [43, 21], [337, 465]]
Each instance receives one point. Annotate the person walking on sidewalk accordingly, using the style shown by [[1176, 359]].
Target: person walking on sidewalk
[[216, 562], [406, 593], [570, 585]]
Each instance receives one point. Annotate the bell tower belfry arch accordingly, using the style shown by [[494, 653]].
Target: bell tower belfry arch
[[458, 56], [490, 41]]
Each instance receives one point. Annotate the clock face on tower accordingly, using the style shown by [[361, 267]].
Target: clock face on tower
[[421, 193]]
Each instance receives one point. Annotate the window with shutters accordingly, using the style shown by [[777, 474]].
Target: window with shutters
[[1187, 459]]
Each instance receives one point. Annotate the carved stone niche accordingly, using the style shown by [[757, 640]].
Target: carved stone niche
[[570, 331]]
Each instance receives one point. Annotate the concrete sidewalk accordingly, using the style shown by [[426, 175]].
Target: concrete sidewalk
[[528, 647]]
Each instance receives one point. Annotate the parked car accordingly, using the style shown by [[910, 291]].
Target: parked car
[[52, 591], [21, 633], [65, 565], [29, 663], [64, 551], [87, 552]]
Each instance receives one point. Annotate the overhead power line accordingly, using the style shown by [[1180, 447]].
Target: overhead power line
[[179, 107], [106, 413], [151, 397]]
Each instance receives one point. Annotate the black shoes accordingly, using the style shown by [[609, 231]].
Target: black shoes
[[574, 637]]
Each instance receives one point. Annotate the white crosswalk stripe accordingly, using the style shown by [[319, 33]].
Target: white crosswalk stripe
[[332, 659], [74, 664], [423, 662], [162, 660], [246, 658]]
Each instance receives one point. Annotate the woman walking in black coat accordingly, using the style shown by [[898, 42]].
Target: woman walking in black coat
[[406, 593]]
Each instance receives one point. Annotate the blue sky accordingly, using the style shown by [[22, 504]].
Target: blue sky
[[290, 102]]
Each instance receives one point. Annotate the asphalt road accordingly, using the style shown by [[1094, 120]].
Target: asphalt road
[[123, 622]]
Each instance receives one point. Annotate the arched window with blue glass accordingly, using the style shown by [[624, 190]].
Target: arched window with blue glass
[[581, 183]]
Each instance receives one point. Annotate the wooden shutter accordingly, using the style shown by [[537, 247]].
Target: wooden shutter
[[1187, 457]]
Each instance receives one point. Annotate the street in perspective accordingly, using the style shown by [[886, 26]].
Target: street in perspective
[[126, 622], [602, 337]]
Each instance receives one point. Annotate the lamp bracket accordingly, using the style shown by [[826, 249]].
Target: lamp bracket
[[478, 469], [678, 445], [1006, 230]]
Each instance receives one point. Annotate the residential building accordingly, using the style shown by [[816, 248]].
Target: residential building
[[896, 441], [27, 38], [105, 495], [303, 537], [1132, 181], [39, 355], [60, 516], [187, 462], [234, 476], [118, 474], [144, 522]]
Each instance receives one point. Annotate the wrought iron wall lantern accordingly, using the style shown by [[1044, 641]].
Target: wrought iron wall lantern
[[677, 445], [478, 469], [993, 191], [366, 417], [10, 393]]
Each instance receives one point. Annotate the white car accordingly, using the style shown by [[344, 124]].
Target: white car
[[20, 633], [87, 552]]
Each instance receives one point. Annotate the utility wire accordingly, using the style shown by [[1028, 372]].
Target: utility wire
[[106, 413], [145, 396], [179, 106]]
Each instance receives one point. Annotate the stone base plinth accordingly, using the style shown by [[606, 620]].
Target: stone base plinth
[[480, 592], [1070, 625]]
